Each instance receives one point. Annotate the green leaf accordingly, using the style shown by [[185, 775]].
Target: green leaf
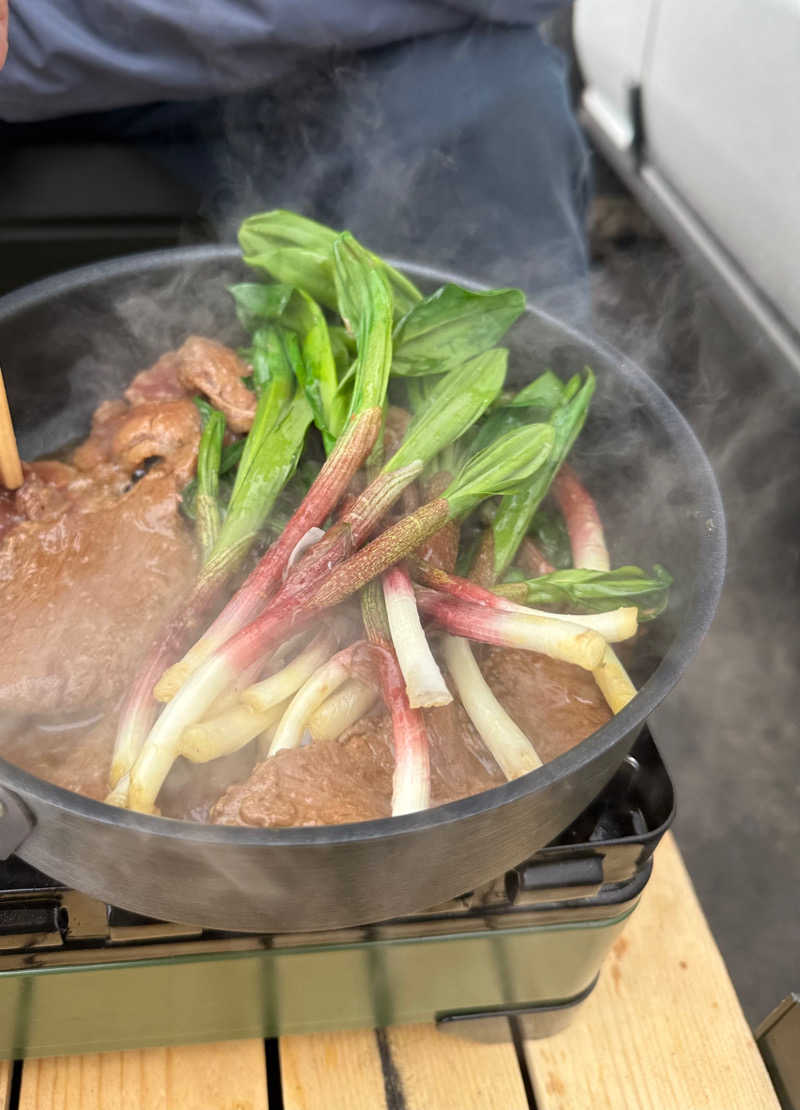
[[297, 251], [452, 325], [544, 394], [511, 461], [516, 511], [269, 411], [256, 302], [271, 467], [343, 347], [597, 591], [365, 305], [456, 402]]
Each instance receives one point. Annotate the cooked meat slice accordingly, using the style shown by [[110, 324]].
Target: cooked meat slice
[[192, 789], [329, 783], [168, 430], [84, 595], [209, 367], [159, 383], [350, 779], [555, 704], [76, 756], [461, 765], [97, 448], [51, 488], [10, 513]]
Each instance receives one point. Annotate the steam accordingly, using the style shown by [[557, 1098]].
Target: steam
[[728, 731]]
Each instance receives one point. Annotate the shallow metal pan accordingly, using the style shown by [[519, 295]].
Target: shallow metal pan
[[70, 341]]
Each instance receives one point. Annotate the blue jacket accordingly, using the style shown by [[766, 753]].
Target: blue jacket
[[72, 56]]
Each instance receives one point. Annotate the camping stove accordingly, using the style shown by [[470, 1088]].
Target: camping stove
[[77, 975]]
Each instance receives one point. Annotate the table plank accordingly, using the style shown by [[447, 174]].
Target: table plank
[[438, 1071], [332, 1071], [230, 1076], [5, 1083], [664, 1028]]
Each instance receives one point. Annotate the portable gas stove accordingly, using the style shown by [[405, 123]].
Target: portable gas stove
[[77, 975]]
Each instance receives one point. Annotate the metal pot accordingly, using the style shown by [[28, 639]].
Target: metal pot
[[72, 340]]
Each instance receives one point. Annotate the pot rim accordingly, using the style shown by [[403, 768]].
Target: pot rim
[[702, 603]]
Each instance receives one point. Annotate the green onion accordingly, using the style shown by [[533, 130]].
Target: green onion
[[452, 325], [453, 405], [297, 251], [516, 511], [206, 499], [595, 590]]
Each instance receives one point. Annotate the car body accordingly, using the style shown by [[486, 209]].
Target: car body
[[697, 107]]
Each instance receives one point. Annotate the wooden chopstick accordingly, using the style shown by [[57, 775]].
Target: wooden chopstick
[[10, 466]]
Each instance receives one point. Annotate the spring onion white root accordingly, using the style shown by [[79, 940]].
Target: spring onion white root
[[511, 748], [614, 682], [309, 698], [425, 685], [286, 682], [342, 709], [227, 732], [162, 746], [614, 626]]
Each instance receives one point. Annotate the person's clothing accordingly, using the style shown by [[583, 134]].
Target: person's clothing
[[457, 149], [73, 56]]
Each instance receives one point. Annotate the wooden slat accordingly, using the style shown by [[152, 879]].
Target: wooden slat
[[663, 1029], [228, 1076], [440, 1072], [5, 1081], [332, 1071]]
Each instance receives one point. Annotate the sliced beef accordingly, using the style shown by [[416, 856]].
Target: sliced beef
[[78, 757], [461, 765], [10, 512], [167, 430], [84, 595], [329, 783], [208, 367], [555, 704], [98, 448], [350, 779], [159, 383]]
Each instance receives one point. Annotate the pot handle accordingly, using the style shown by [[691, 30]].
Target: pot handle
[[16, 822]]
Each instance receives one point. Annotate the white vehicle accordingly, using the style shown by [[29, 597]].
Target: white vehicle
[[697, 107]]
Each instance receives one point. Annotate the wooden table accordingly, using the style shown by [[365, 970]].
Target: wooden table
[[662, 1031]]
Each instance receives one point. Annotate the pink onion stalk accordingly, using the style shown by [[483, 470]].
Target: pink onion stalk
[[292, 608], [571, 643], [613, 625], [411, 783], [214, 678], [589, 551], [425, 685], [330, 485]]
